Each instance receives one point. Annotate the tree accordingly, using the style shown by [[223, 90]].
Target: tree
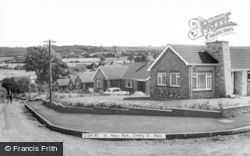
[[16, 85], [22, 85], [37, 60], [141, 58], [144, 58], [8, 84], [18, 67], [102, 58], [130, 57], [79, 68], [155, 55], [91, 66]]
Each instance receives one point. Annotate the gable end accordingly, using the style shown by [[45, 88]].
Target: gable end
[[161, 55]]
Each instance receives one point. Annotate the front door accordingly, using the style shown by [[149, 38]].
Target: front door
[[141, 86]]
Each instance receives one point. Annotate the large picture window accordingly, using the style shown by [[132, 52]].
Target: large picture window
[[175, 79], [202, 81], [161, 79], [128, 83]]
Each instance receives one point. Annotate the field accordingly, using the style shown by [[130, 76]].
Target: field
[[4, 73], [74, 61], [11, 65]]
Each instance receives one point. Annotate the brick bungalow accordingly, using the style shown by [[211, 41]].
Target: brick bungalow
[[108, 76], [136, 78], [64, 84], [129, 77], [84, 80], [193, 71]]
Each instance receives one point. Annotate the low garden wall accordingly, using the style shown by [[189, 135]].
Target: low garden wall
[[134, 111], [235, 110]]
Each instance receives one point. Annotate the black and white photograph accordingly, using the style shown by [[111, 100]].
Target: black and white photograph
[[124, 78]]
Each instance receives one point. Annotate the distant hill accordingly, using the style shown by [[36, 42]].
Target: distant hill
[[11, 52], [77, 50]]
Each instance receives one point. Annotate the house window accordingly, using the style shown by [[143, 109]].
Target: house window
[[161, 79], [98, 83], [248, 76], [128, 83], [202, 81], [175, 79]]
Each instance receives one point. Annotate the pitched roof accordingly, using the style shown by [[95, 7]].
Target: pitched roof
[[113, 71], [189, 54], [240, 57], [193, 54], [87, 76], [63, 82], [196, 54], [72, 77], [137, 71]]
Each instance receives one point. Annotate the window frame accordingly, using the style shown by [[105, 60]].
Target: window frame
[[127, 82], [160, 75], [177, 75], [207, 76]]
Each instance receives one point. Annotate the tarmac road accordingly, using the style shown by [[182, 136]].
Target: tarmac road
[[17, 124]]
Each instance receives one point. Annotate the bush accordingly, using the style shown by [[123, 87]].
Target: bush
[[203, 106], [122, 105]]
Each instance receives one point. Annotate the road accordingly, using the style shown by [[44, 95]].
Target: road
[[17, 124]]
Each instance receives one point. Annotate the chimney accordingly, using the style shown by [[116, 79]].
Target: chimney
[[220, 50]]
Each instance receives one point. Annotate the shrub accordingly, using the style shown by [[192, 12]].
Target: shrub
[[203, 106]]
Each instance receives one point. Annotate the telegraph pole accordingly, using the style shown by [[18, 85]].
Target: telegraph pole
[[50, 72]]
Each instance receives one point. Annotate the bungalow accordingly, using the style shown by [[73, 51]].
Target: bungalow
[[131, 77], [192, 71], [84, 81], [136, 77], [108, 76], [64, 84]]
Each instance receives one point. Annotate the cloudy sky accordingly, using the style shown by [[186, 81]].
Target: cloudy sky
[[114, 22]]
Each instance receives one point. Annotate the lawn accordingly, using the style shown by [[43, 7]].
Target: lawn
[[134, 123]]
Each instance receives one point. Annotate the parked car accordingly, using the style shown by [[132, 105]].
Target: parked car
[[115, 91], [91, 90]]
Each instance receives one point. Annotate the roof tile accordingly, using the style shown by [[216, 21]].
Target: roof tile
[[113, 72], [137, 71], [87, 77]]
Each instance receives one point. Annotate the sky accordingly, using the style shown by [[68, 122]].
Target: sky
[[115, 22]]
